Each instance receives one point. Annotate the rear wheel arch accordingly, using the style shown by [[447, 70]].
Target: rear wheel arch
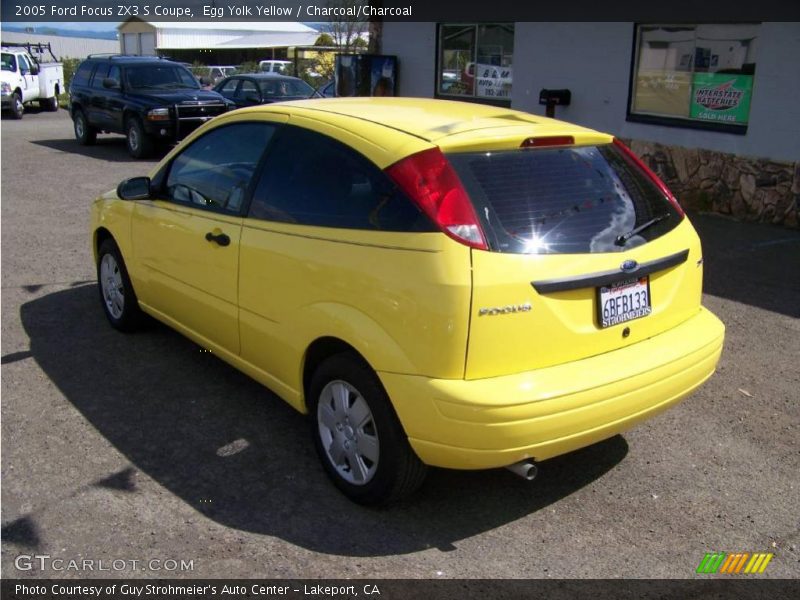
[[358, 437], [318, 352], [84, 132]]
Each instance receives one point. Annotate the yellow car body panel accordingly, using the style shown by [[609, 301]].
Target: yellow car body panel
[[180, 273], [401, 299], [470, 391], [562, 326], [493, 422]]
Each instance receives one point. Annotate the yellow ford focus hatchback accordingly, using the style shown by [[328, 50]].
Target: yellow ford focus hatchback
[[434, 283]]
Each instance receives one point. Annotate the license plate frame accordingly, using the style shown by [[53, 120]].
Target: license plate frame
[[630, 300]]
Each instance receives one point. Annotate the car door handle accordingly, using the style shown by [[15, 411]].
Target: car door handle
[[220, 238]]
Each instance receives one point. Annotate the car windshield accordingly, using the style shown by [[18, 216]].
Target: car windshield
[[286, 88], [160, 77], [9, 62]]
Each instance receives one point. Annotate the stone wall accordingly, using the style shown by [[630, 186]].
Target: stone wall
[[747, 188]]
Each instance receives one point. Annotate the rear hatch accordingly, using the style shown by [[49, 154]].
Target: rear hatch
[[585, 252]]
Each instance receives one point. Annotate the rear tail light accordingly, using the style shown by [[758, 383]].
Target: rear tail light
[[430, 181], [656, 179], [552, 140]]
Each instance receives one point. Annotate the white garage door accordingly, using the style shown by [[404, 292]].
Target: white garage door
[[139, 43], [147, 43]]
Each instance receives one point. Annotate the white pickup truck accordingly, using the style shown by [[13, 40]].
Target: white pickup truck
[[25, 78]]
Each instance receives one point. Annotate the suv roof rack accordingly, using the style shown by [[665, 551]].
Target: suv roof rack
[[118, 55]]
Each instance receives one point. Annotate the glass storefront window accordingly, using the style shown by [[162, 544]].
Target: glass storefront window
[[694, 73], [476, 60]]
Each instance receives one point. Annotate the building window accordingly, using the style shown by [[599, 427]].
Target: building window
[[694, 75], [475, 61]]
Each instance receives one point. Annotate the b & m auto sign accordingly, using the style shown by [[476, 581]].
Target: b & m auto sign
[[721, 97]]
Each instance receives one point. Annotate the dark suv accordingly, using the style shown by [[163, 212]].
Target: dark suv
[[146, 98]]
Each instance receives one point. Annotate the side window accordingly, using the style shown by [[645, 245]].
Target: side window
[[100, 73], [81, 76], [216, 169], [230, 87], [114, 73], [24, 67], [312, 179], [248, 88]]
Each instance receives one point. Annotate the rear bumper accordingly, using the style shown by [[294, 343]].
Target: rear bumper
[[486, 423]]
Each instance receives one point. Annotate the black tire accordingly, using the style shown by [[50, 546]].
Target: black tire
[[140, 145], [398, 471], [84, 133], [49, 104], [17, 108], [117, 297]]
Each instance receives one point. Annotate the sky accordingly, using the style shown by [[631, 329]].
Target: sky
[[104, 26]]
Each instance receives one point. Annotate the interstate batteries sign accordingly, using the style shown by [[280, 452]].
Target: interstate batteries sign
[[720, 97]]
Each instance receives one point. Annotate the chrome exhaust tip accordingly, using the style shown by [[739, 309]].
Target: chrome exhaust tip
[[525, 468]]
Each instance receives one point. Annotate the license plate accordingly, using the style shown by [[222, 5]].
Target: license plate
[[623, 301]]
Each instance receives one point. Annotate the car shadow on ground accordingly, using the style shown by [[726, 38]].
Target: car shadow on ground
[[108, 148], [242, 457], [30, 109], [753, 263]]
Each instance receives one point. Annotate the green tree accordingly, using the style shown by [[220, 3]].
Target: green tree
[[324, 39], [70, 65], [248, 67], [346, 34]]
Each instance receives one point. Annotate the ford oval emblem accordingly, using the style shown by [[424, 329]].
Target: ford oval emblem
[[628, 266]]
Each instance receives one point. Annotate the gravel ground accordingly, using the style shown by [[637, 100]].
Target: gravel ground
[[119, 447]]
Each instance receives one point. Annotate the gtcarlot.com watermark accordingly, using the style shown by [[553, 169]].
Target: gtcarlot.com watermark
[[45, 562]]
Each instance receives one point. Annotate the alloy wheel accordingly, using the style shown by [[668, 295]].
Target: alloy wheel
[[348, 433], [133, 138], [112, 285]]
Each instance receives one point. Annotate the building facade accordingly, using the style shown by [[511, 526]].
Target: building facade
[[713, 108], [225, 43], [64, 46]]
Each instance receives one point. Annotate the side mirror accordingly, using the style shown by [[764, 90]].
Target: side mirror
[[135, 188], [34, 69], [110, 83]]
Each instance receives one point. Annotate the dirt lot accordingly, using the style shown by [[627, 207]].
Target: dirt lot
[[118, 447]]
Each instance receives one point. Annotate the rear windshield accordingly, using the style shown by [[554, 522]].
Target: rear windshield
[[563, 200]]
